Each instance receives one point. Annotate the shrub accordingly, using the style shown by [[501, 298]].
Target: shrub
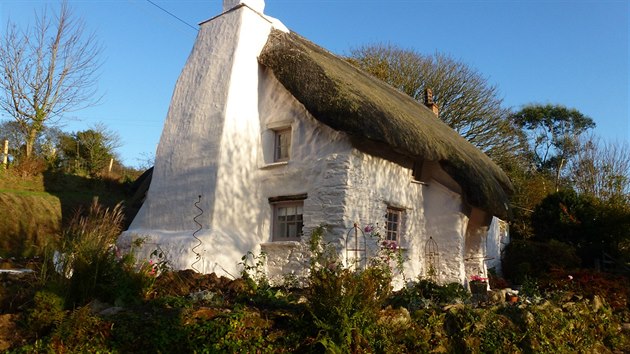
[[426, 293], [589, 224], [535, 259], [240, 331], [88, 264], [81, 332], [46, 314], [88, 254], [344, 304]]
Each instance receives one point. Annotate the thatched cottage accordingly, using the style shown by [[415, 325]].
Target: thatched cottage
[[272, 136]]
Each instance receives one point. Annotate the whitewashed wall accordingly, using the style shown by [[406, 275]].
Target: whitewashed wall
[[217, 143], [209, 148], [498, 239]]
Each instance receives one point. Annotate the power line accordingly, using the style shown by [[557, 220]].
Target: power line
[[172, 15]]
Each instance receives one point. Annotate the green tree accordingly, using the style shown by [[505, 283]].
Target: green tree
[[91, 150], [553, 133], [467, 102], [46, 145], [46, 71], [587, 223]]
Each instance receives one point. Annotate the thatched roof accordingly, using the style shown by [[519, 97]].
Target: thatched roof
[[349, 100]]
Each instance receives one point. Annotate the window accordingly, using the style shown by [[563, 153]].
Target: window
[[416, 172], [287, 217], [282, 145], [393, 225]]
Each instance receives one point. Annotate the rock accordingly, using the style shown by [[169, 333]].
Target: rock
[[110, 311], [97, 306]]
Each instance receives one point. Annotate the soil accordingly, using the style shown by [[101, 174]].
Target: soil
[[185, 282]]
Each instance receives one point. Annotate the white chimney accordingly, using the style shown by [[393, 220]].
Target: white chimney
[[256, 5]]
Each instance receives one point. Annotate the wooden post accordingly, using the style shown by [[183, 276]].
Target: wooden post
[[5, 154], [111, 164]]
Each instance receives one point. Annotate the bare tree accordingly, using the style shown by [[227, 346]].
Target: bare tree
[[601, 169], [467, 102], [46, 71]]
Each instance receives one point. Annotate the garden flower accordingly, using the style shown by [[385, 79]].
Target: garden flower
[[478, 278]]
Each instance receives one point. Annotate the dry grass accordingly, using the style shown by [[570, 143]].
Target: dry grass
[[28, 221]]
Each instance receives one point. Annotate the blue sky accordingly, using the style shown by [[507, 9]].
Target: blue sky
[[573, 53]]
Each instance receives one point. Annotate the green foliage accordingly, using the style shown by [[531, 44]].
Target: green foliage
[[88, 265], [89, 151], [426, 293], [535, 259], [570, 328], [81, 332], [344, 304], [552, 132], [586, 223], [239, 331], [254, 270], [472, 330], [46, 313], [149, 330], [87, 254]]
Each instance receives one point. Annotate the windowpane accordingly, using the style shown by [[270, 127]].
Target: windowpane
[[282, 144], [394, 217], [288, 223]]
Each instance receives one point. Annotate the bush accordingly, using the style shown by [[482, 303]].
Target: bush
[[426, 293], [536, 259], [590, 225], [344, 304], [81, 332], [88, 264], [46, 314]]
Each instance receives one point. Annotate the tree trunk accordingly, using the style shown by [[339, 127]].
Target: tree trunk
[[558, 174], [30, 142]]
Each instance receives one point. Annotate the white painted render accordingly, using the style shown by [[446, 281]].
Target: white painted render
[[217, 143]]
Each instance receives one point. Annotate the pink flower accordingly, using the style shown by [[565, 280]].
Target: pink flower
[[368, 228], [477, 278], [570, 277]]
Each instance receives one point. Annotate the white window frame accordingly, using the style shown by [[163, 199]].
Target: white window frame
[[282, 149], [393, 224], [296, 206]]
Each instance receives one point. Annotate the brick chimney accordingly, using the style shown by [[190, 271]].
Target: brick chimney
[[428, 101]]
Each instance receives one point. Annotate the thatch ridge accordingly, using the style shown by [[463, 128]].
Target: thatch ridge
[[348, 99]]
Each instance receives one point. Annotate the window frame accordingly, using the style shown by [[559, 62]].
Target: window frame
[[397, 230], [280, 154], [277, 203]]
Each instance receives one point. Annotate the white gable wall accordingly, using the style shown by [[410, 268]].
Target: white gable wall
[[209, 148]]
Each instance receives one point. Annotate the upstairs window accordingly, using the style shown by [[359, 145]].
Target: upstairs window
[[282, 144], [393, 225]]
